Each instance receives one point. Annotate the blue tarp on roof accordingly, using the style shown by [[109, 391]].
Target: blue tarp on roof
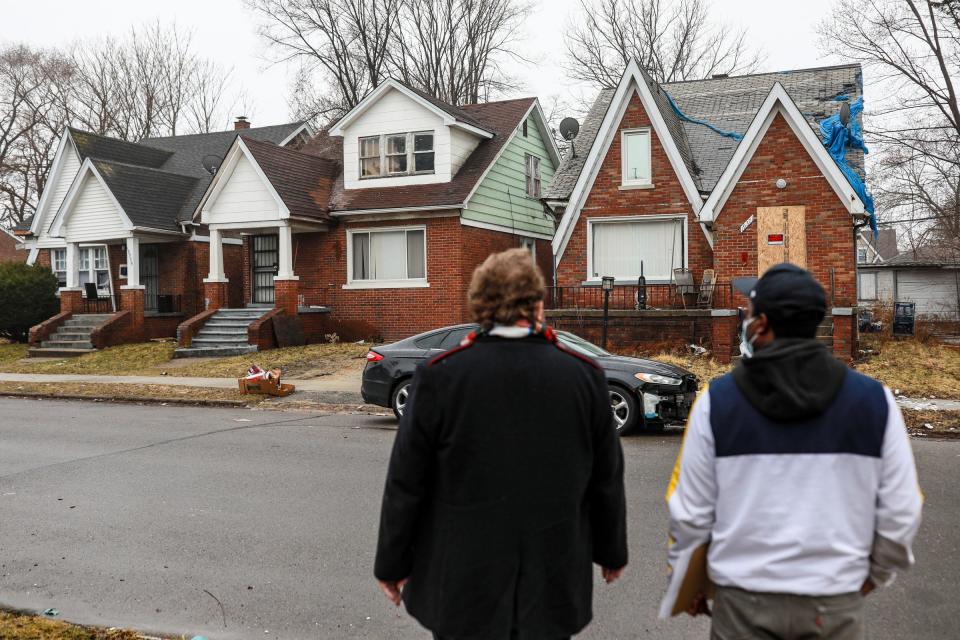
[[837, 137]]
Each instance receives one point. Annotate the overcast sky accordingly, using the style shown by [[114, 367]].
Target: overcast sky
[[225, 31]]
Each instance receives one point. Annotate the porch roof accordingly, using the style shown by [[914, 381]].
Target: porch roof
[[151, 198], [302, 181]]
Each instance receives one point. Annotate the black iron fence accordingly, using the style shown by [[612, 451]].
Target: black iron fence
[[651, 296], [163, 303]]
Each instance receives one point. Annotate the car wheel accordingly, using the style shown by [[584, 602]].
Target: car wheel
[[401, 395], [625, 409]]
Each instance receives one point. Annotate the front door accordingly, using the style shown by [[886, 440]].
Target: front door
[[265, 261], [149, 277], [781, 237]]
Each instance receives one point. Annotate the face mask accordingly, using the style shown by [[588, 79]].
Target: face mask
[[746, 345]]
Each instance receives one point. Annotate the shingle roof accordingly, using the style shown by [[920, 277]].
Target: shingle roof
[[91, 145], [189, 151], [150, 197], [160, 181], [458, 113], [925, 257], [572, 163], [501, 118], [301, 180], [728, 103]]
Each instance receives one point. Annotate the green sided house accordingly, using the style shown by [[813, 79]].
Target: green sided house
[[374, 226]]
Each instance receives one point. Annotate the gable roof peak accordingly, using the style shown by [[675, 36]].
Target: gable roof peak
[[451, 115]]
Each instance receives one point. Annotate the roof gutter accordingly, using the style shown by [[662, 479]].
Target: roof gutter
[[442, 207]]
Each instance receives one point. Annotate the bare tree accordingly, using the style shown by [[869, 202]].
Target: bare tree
[[912, 50], [455, 50], [148, 84], [671, 40], [31, 110]]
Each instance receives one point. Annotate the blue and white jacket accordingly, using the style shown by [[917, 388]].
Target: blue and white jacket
[[809, 508]]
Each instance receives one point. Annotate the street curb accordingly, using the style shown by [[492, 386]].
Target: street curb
[[233, 404]]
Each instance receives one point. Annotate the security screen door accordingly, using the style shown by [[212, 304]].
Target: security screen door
[[265, 261], [149, 276], [781, 237]]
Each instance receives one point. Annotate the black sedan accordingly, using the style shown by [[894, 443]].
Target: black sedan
[[644, 394]]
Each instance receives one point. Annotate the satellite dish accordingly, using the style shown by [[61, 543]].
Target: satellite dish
[[211, 162], [569, 128], [845, 113]]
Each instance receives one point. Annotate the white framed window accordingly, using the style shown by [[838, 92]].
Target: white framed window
[[95, 267], [423, 152], [396, 154], [868, 286], [532, 171], [861, 254], [635, 149], [370, 157], [58, 261], [530, 245], [620, 247], [394, 257]]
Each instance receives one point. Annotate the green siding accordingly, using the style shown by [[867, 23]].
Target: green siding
[[501, 198]]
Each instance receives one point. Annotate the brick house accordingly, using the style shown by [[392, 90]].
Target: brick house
[[370, 229], [720, 177], [114, 223], [374, 227]]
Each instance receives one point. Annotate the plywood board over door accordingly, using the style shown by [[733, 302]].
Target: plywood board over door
[[781, 237]]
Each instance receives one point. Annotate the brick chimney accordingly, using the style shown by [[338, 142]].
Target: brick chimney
[[241, 123]]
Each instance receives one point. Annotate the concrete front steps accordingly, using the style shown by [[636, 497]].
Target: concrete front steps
[[72, 338], [224, 334]]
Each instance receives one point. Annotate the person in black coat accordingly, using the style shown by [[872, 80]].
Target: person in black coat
[[505, 483]]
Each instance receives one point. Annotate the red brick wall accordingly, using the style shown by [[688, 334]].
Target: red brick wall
[[453, 252], [8, 250], [232, 268], [633, 333], [606, 199], [830, 243]]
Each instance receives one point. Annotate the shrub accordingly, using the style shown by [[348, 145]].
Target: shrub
[[27, 297]]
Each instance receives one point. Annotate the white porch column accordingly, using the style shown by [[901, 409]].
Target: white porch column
[[133, 262], [216, 257], [73, 266], [285, 268]]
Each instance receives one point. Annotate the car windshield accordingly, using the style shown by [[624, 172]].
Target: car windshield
[[579, 344]]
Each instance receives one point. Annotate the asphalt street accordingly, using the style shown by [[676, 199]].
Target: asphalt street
[[260, 524]]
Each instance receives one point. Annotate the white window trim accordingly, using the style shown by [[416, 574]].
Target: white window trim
[[92, 266], [623, 158], [411, 155], [53, 264], [590, 279], [531, 172], [407, 283]]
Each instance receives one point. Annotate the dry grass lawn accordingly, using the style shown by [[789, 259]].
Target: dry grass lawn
[[22, 627], [154, 358], [913, 368], [310, 361]]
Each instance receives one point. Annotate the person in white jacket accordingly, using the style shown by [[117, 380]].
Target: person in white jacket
[[798, 473]]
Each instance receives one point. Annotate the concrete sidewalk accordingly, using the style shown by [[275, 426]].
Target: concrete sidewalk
[[342, 383]]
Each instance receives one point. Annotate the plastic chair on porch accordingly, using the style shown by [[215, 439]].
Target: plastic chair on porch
[[682, 285], [705, 293]]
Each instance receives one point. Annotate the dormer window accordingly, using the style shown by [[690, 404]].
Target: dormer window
[[635, 148], [396, 154]]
